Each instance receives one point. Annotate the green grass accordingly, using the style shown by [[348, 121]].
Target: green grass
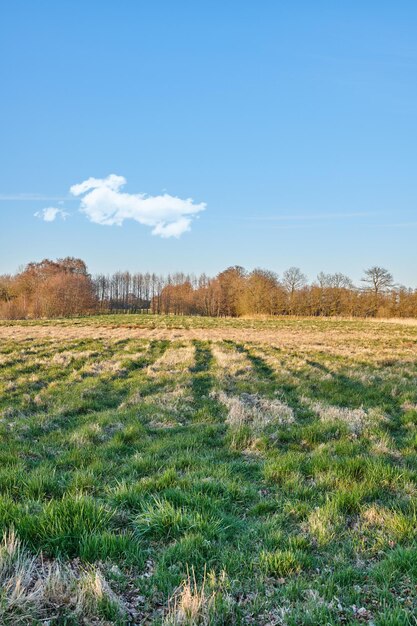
[[272, 483]]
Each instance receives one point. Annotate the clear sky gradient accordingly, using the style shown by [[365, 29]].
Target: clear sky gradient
[[295, 122]]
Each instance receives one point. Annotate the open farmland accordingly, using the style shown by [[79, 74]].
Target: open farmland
[[172, 470]]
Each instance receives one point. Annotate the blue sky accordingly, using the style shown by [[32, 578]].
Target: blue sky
[[295, 123]]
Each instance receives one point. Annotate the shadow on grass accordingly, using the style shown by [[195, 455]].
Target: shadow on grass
[[202, 382]]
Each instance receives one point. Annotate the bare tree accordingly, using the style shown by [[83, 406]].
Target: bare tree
[[378, 280], [293, 279], [334, 291], [334, 281]]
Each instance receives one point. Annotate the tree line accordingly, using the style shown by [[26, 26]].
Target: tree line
[[64, 288]]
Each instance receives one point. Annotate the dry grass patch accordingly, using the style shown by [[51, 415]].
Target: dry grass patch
[[355, 419], [34, 590], [254, 410], [175, 360], [324, 524], [173, 401], [230, 363], [105, 367], [195, 605], [393, 523]]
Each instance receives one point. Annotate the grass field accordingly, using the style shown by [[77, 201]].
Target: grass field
[[197, 471]]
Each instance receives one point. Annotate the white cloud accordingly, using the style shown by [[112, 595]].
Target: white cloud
[[50, 214], [111, 182], [173, 229], [103, 202]]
